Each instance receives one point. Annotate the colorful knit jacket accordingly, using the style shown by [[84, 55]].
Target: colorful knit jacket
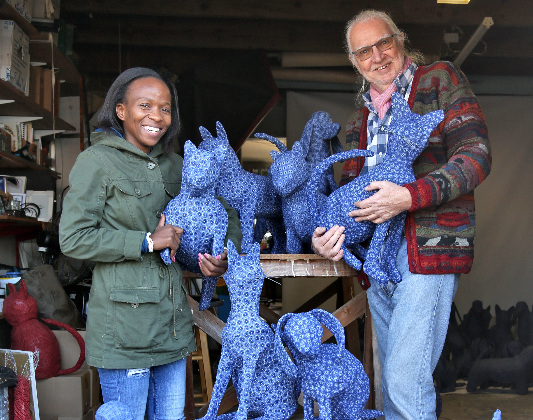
[[440, 225]]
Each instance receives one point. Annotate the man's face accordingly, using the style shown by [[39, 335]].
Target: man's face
[[383, 66]]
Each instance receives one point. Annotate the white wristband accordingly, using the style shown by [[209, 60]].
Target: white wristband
[[149, 242]]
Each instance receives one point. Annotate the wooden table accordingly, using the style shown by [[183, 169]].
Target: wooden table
[[349, 308]]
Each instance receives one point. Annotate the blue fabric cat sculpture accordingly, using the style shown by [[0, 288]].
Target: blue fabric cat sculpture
[[329, 374], [264, 390], [249, 194], [408, 136], [201, 216]]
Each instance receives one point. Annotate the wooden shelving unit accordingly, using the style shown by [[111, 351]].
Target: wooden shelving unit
[[18, 105]]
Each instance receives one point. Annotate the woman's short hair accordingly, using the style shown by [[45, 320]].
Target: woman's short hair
[[108, 119]]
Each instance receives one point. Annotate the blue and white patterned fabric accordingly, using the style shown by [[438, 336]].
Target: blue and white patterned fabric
[[201, 216], [329, 374], [264, 390], [249, 194], [377, 130], [409, 133], [291, 169]]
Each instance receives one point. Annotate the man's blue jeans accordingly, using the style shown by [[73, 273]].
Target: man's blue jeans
[[411, 321], [159, 391]]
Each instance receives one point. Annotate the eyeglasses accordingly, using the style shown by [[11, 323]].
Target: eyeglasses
[[383, 44]]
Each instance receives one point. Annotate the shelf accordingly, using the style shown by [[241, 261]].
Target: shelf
[[18, 226], [25, 107], [9, 160], [40, 49]]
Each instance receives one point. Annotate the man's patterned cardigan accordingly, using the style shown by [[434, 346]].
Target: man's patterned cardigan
[[440, 225]]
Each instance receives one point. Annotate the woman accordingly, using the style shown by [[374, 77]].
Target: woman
[[139, 325]]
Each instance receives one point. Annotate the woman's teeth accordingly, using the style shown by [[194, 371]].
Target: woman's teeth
[[153, 130]]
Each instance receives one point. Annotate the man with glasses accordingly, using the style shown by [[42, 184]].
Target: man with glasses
[[411, 317]]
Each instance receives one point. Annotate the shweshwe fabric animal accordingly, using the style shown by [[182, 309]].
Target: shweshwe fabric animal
[[291, 169], [329, 374], [201, 216], [264, 390], [408, 136], [249, 194]]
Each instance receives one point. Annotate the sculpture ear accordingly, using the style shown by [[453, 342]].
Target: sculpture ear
[[332, 324], [11, 287], [189, 147], [23, 288], [399, 104], [297, 147], [274, 154], [254, 251], [283, 357], [498, 309], [206, 135], [221, 133], [305, 140]]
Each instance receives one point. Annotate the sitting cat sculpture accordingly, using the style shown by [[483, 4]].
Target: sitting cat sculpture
[[264, 390], [408, 136], [329, 374], [249, 194], [201, 216]]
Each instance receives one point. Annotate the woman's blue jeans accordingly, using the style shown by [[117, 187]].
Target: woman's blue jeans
[[158, 391], [411, 321]]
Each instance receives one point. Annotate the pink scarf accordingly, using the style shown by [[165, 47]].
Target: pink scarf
[[382, 101]]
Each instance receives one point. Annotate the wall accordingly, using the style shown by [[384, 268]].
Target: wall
[[503, 264]]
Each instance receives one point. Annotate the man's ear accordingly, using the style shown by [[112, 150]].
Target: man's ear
[[120, 111]]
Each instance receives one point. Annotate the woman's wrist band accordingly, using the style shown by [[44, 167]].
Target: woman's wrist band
[[149, 242]]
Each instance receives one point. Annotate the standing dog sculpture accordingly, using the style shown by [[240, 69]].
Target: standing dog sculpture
[[408, 136], [201, 216], [249, 194], [264, 390], [329, 374]]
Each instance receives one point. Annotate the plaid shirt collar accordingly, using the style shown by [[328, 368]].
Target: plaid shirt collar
[[377, 134]]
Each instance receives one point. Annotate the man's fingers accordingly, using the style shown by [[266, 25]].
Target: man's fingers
[[161, 221]]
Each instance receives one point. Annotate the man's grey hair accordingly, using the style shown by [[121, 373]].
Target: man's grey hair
[[370, 14]]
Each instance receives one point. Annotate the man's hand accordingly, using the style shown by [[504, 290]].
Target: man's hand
[[328, 244], [387, 202], [167, 236], [213, 266]]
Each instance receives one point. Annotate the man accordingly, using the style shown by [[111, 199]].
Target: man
[[411, 317]]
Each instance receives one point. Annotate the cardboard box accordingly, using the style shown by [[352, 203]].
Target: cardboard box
[[70, 352], [14, 55], [47, 91], [36, 83], [24, 7], [41, 9], [65, 395]]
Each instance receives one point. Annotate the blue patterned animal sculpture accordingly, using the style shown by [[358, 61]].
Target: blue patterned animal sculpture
[[329, 374], [249, 194], [201, 216], [264, 390], [408, 136]]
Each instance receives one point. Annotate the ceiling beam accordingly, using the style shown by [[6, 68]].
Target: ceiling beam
[[504, 12]]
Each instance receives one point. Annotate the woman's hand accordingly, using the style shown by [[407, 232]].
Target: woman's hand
[[328, 244], [213, 266], [167, 236]]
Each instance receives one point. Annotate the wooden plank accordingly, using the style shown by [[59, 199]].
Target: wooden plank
[[351, 330], [229, 400], [189, 391], [377, 370], [368, 358], [304, 265], [515, 12], [268, 314], [350, 311], [206, 321]]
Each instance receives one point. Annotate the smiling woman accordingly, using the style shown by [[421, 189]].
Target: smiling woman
[[139, 326]]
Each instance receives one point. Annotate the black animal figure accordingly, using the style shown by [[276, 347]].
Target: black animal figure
[[500, 334], [461, 351], [481, 348], [523, 318], [476, 322], [511, 371], [445, 374]]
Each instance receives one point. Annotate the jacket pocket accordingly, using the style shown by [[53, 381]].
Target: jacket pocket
[[134, 189], [452, 219], [137, 317]]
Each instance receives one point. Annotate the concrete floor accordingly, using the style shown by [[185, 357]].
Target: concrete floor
[[480, 405]]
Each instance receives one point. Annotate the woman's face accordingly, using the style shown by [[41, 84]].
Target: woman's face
[[145, 112]]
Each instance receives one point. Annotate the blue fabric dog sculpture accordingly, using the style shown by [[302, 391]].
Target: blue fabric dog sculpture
[[201, 216], [408, 136], [329, 374], [249, 194], [264, 390]]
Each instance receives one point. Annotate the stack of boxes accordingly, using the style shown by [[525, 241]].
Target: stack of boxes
[[69, 397]]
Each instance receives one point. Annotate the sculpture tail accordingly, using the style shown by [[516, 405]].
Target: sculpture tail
[[318, 172], [78, 338], [275, 141]]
